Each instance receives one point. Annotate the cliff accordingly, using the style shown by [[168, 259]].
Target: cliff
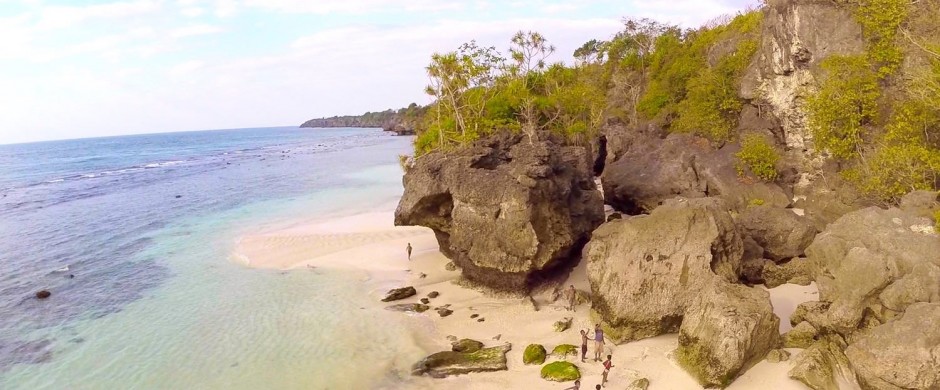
[[403, 121]]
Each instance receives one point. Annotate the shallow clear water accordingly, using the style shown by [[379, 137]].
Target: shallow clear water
[[146, 224]]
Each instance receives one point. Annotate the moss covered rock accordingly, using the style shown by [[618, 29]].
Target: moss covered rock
[[534, 354], [639, 384], [563, 324], [801, 336], [561, 372], [466, 345], [562, 351], [443, 364]]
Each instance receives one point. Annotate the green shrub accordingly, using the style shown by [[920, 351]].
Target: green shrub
[[846, 101], [758, 156], [880, 20]]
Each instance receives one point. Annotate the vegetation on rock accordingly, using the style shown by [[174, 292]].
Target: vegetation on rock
[[534, 354], [564, 350], [560, 372], [758, 156]]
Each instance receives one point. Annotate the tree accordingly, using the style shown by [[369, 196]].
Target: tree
[[528, 52]]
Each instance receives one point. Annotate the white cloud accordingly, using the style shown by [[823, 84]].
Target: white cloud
[[58, 17], [355, 6], [192, 12], [194, 30]]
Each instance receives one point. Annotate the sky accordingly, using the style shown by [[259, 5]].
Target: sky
[[76, 69]]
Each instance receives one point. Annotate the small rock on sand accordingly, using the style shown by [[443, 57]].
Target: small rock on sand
[[399, 293], [43, 294], [433, 294]]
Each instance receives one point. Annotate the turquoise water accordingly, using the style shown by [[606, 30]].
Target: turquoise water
[[202, 321]]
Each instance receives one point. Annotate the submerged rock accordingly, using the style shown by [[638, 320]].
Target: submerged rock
[[728, 329], [902, 354], [466, 345], [443, 364], [675, 252], [444, 312], [560, 372], [534, 354], [545, 209], [399, 293], [409, 307]]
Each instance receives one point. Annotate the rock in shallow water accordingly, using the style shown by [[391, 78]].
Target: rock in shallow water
[[544, 211], [443, 364], [399, 293], [409, 307]]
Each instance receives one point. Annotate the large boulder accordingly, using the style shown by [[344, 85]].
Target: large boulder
[[508, 209], [781, 233], [823, 365], [902, 354], [728, 329], [796, 271], [872, 264], [646, 270], [681, 165], [560, 372], [534, 354], [443, 364]]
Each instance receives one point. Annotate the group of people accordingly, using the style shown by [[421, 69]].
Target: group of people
[[598, 352]]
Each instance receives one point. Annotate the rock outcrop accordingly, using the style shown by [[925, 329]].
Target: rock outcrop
[[444, 364], [675, 252], [796, 271], [823, 365], [399, 293], [655, 170], [781, 233], [728, 329], [466, 346], [872, 264], [902, 354], [541, 215]]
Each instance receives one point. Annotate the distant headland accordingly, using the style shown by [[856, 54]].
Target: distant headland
[[402, 121]]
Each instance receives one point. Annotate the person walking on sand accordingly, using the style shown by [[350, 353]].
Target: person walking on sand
[[598, 342], [572, 296], [607, 366], [408, 249], [577, 385], [584, 341]]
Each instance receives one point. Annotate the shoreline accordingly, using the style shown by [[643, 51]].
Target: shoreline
[[368, 242]]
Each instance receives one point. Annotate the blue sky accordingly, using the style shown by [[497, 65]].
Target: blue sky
[[73, 69]]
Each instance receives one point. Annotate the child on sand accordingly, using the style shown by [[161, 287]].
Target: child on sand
[[607, 366], [577, 385], [584, 341], [408, 249]]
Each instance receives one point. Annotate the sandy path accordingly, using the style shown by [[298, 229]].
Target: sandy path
[[370, 243]]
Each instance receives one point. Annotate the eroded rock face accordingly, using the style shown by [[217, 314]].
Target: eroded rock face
[[823, 365], [675, 252], [444, 364], [728, 329], [902, 354], [796, 271], [655, 170], [505, 210], [781, 233], [872, 264]]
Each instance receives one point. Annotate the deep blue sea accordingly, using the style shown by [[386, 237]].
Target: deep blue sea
[[132, 235]]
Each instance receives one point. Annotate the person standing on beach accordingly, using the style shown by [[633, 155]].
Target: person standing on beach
[[607, 366], [572, 296], [598, 342], [408, 249], [584, 341]]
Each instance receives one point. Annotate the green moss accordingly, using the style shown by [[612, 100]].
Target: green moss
[[697, 359], [534, 354], [758, 156], [561, 372], [755, 202], [564, 350]]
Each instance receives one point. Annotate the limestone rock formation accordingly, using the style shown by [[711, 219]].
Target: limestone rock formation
[[781, 233], [801, 336], [778, 355], [543, 212], [823, 365], [676, 252], [443, 364], [796, 271], [728, 329], [681, 165], [466, 346], [399, 293], [873, 263], [902, 354]]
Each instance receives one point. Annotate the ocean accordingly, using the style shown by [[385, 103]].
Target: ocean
[[133, 236]]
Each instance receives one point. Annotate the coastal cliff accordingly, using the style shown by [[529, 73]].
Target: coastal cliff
[[797, 143], [403, 121]]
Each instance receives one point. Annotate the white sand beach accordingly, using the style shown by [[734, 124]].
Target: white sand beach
[[370, 243]]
